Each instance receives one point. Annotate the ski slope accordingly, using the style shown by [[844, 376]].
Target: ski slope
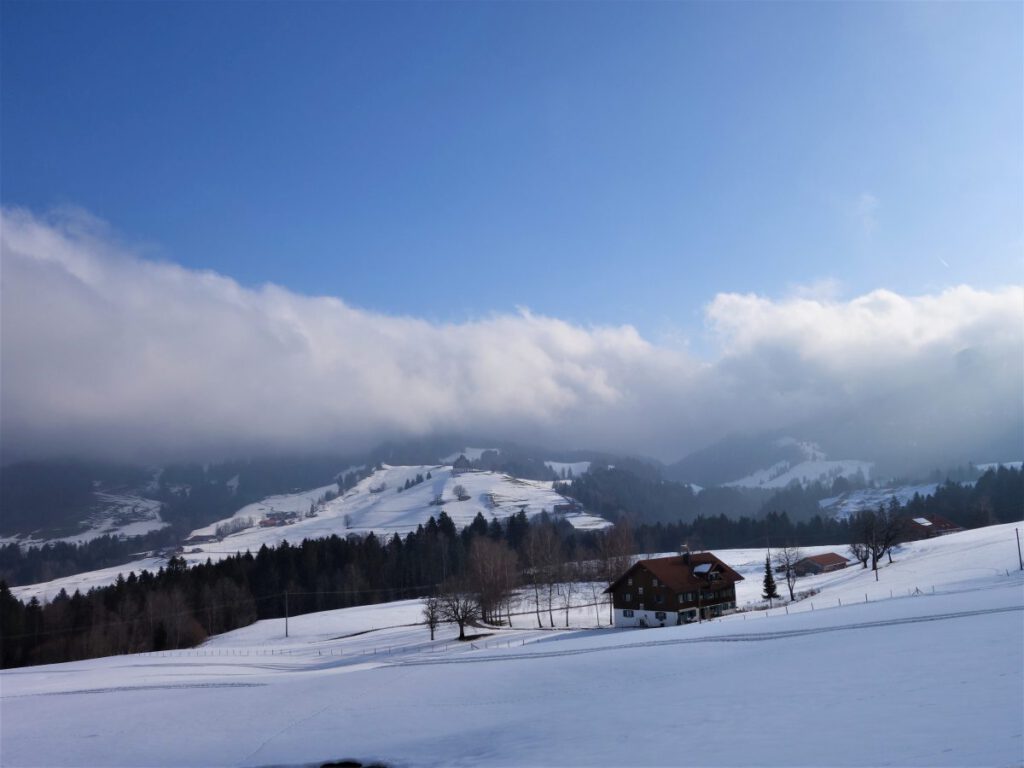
[[379, 504], [120, 513], [928, 679], [783, 473], [374, 505], [847, 504]]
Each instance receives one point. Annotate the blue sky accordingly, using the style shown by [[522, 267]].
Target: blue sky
[[599, 163]]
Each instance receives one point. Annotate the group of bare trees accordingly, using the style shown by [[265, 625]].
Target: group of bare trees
[[494, 576], [875, 533]]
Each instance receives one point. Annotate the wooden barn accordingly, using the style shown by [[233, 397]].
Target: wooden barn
[[929, 526], [829, 561]]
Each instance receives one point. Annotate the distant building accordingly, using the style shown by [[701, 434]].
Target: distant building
[[568, 507], [205, 538], [815, 564], [930, 526], [461, 465], [666, 591]]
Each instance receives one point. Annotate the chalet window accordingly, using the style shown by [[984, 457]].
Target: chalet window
[[629, 582], [627, 597], [660, 615], [655, 582], [627, 612], [659, 599], [640, 590]]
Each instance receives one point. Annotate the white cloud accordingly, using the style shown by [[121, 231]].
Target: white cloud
[[107, 353]]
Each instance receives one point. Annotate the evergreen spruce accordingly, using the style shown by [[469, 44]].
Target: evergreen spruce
[[770, 591]]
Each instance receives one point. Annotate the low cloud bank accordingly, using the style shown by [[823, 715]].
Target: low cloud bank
[[108, 354]]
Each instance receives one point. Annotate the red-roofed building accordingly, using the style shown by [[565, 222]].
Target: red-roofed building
[[829, 561], [666, 591]]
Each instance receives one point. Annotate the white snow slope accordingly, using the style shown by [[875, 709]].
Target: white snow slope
[[113, 513], [378, 504], [932, 679], [847, 504], [360, 510], [783, 473]]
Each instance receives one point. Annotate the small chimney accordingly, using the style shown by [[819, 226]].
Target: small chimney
[[685, 550]]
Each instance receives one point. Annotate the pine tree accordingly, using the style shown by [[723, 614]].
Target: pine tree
[[770, 591]]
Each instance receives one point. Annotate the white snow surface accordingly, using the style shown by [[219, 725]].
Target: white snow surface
[[846, 504], [934, 678], [359, 511], [810, 450], [113, 513], [782, 473]]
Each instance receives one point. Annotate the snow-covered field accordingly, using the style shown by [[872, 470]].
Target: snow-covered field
[[381, 504], [374, 504], [783, 473], [844, 505], [929, 678], [113, 513]]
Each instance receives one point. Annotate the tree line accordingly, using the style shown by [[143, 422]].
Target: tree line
[[179, 606], [483, 565]]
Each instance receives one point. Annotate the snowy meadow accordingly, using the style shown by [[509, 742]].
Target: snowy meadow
[[931, 676]]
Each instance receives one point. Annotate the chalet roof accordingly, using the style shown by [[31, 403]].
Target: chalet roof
[[825, 560], [678, 575], [936, 521]]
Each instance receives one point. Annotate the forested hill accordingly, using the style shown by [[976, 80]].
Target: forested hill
[[616, 494]]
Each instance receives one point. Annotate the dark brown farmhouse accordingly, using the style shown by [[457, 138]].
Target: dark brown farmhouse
[[929, 526], [829, 561], [665, 591]]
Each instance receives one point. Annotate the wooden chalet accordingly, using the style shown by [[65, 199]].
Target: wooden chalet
[[824, 563], [665, 591], [929, 526]]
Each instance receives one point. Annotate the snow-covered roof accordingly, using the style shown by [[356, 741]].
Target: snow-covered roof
[[922, 521], [702, 568]]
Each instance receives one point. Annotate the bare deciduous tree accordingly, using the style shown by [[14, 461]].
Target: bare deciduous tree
[[459, 605], [432, 613], [875, 533], [785, 560], [493, 574], [542, 552]]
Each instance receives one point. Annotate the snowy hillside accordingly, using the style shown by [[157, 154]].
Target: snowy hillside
[[812, 466], [932, 676], [783, 473], [112, 513], [375, 504], [846, 504], [381, 503]]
